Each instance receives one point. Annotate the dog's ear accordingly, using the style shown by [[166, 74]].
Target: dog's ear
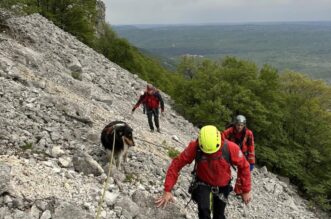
[[128, 131]]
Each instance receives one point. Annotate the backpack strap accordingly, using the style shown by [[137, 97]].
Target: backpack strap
[[225, 154]]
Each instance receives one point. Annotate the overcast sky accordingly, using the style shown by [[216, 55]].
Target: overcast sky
[[214, 11]]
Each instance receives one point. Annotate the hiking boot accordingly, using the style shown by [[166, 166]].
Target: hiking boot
[[158, 130], [152, 130]]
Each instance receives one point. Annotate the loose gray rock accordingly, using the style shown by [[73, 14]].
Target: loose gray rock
[[5, 172], [46, 215], [131, 207], [83, 162], [70, 211], [111, 198]]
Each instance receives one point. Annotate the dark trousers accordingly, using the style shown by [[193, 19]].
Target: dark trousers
[[150, 114], [201, 195]]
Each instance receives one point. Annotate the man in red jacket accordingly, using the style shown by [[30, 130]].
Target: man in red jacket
[[151, 100], [213, 173], [242, 136]]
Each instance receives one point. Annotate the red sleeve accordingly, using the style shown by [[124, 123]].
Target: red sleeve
[[238, 159], [226, 133], [250, 147], [186, 157], [141, 100]]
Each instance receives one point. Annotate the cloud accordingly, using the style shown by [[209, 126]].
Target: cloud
[[204, 11]]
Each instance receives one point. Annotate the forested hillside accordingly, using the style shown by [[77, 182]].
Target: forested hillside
[[299, 46], [290, 114]]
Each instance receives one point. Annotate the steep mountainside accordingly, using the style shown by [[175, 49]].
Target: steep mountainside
[[56, 96]]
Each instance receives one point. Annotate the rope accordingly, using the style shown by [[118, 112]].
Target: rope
[[107, 179], [109, 171], [157, 145]]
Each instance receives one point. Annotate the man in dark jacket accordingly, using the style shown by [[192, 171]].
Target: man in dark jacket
[[212, 172], [151, 100]]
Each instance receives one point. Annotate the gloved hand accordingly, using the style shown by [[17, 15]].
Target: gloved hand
[[251, 167], [132, 111]]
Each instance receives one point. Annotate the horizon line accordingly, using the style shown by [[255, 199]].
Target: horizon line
[[223, 23]]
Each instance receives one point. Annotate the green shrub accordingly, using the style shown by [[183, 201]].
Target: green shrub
[[76, 75], [27, 145], [130, 177], [172, 152]]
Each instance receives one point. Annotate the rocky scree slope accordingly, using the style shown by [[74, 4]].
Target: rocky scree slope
[[56, 95]]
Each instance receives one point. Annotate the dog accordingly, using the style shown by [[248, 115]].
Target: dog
[[123, 140]]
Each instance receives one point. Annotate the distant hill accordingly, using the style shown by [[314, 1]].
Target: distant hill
[[299, 46]]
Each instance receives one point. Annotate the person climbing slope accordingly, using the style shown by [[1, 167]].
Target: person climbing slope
[[242, 136], [213, 174], [153, 101]]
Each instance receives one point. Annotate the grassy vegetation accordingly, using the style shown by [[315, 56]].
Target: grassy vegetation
[[76, 75], [27, 146], [130, 177], [172, 152]]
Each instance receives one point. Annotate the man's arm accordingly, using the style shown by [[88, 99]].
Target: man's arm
[[250, 147], [141, 99], [243, 174], [161, 101], [226, 133], [186, 157]]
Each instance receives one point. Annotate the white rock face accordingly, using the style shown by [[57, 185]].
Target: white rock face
[[52, 164]]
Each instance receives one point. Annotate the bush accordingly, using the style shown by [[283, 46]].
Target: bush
[[173, 152], [76, 75], [27, 146], [130, 177]]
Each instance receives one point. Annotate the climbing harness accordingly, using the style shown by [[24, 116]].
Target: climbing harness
[[214, 189]]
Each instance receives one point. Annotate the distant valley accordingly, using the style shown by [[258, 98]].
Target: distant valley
[[300, 46]]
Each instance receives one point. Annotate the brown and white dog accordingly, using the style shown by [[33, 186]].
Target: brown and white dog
[[123, 140]]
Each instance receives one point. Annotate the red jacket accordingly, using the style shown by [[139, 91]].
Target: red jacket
[[151, 101], [244, 139], [214, 172]]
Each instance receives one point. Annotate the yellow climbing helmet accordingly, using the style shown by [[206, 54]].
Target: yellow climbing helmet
[[209, 139]]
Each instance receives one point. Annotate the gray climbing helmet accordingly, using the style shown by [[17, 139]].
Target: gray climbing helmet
[[240, 119]]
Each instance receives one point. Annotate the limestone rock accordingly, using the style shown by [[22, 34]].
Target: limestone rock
[[83, 162], [5, 172]]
